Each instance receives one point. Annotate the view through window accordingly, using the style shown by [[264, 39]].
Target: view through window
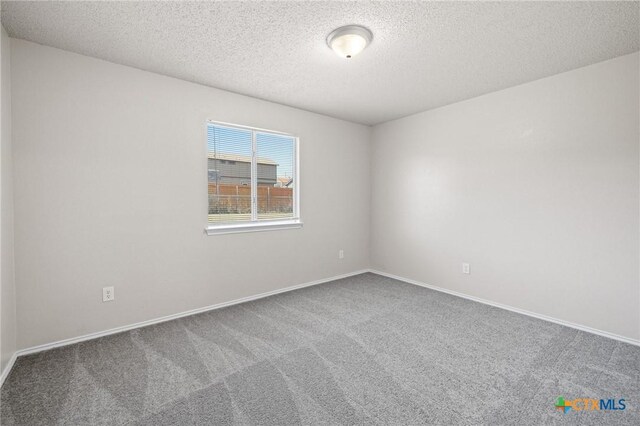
[[251, 175]]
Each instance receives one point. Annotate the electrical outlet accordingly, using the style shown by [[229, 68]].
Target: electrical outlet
[[108, 294], [465, 268], [340, 254]]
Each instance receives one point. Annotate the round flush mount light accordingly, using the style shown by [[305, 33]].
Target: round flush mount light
[[348, 41]]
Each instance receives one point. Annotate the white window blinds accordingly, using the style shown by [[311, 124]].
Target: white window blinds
[[252, 175]]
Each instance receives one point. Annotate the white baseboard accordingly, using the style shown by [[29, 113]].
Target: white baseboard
[[7, 369], [512, 309], [121, 329]]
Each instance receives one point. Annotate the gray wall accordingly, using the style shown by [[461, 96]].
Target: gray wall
[[89, 211], [7, 284], [535, 186]]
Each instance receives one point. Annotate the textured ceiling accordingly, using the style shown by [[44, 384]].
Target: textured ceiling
[[423, 54]]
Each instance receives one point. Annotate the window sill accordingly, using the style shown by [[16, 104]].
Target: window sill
[[253, 227]]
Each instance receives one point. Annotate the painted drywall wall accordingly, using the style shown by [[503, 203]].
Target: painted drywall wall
[[111, 190], [7, 283], [535, 186]]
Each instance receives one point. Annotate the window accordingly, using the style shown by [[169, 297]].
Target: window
[[253, 182]]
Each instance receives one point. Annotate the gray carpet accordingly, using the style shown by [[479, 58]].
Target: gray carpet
[[362, 350]]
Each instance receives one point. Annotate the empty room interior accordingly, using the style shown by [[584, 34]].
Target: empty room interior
[[320, 213]]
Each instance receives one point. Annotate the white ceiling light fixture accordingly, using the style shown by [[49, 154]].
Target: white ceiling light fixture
[[350, 40]]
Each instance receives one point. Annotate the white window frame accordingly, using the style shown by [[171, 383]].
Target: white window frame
[[255, 225]]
